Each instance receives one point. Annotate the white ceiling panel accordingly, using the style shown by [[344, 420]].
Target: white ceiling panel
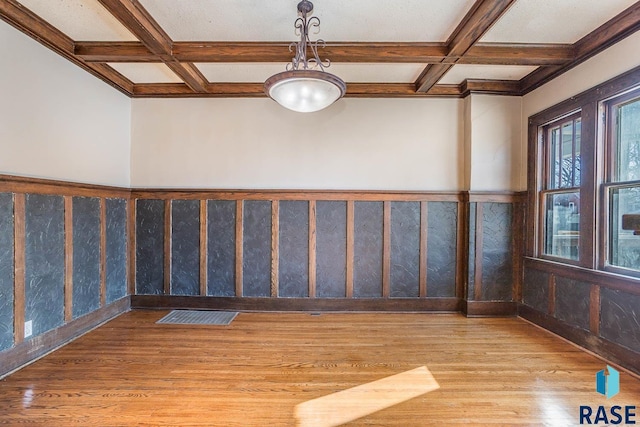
[[146, 72], [82, 20], [353, 20], [349, 72], [459, 73], [242, 72], [553, 21]]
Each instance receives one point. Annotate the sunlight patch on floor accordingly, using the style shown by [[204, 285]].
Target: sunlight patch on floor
[[348, 405]]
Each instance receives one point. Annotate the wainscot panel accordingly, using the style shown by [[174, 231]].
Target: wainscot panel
[[86, 255], [116, 248], [620, 318], [293, 249], [221, 244], [331, 249], [405, 249], [442, 249], [185, 247], [6, 270], [572, 302], [150, 246], [535, 292], [44, 262], [497, 252], [256, 259], [367, 258]]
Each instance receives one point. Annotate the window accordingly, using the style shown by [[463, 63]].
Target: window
[[623, 178], [584, 177], [561, 194]]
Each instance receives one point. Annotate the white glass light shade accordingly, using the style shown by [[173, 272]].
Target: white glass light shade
[[305, 91]]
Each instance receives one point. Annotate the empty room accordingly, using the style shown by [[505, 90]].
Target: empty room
[[315, 214]]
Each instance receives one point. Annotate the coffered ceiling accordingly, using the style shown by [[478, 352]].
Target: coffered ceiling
[[391, 48]]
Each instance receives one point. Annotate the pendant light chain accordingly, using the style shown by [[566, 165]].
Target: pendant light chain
[[303, 26]]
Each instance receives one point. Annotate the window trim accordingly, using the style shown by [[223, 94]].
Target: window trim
[[545, 184]]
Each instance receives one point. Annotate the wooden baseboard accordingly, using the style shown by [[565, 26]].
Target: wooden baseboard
[[32, 349], [490, 308], [295, 304], [610, 351]]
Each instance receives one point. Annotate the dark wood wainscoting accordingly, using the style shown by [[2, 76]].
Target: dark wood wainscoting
[[594, 309], [328, 250], [494, 249], [74, 255], [63, 263]]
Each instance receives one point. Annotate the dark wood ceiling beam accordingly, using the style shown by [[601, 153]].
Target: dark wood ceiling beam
[[611, 32], [620, 26], [539, 77], [354, 90], [238, 90], [478, 20], [486, 53], [189, 74], [261, 52], [114, 52], [232, 52], [213, 90], [518, 54], [490, 87], [137, 20], [31, 24], [431, 75], [396, 90], [383, 52], [335, 51]]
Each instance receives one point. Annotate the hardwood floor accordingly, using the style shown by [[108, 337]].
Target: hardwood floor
[[261, 369]]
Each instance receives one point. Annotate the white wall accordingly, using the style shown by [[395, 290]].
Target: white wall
[[610, 63], [56, 120], [59, 122], [376, 144], [495, 145]]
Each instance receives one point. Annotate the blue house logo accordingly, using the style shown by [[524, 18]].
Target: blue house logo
[[608, 382]]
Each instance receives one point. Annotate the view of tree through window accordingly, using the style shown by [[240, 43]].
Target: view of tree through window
[[624, 247], [562, 220], [565, 149], [628, 142]]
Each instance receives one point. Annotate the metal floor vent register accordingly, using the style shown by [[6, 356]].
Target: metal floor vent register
[[198, 317]]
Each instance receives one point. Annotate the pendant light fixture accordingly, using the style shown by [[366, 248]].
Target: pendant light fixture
[[305, 86]]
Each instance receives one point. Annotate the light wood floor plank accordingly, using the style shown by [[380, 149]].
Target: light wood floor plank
[[256, 371]]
